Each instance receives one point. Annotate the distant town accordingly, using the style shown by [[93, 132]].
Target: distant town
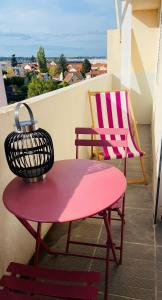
[[26, 77]]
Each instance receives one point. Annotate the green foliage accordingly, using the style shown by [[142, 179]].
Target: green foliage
[[62, 84], [15, 80], [24, 89], [52, 71], [39, 86], [16, 89], [86, 67], [10, 71], [42, 60], [30, 75], [13, 60], [62, 64]]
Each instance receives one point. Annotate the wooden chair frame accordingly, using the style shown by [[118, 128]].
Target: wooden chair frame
[[91, 94]]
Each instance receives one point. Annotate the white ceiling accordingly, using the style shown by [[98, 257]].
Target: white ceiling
[[145, 4]]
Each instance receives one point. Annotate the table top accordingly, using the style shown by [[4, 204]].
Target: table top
[[72, 190]]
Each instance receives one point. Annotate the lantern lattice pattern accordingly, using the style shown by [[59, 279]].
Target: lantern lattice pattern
[[29, 151]]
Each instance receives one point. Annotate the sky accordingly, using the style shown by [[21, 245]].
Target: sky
[[71, 27]]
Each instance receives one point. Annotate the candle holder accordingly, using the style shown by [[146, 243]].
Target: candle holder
[[29, 149]]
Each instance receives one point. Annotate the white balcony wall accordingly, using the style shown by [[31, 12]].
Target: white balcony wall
[[145, 35], [114, 56], [157, 126], [58, 112], [144, 49]]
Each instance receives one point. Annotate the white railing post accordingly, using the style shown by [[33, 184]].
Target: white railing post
[[3, 99], [117, 14], [126, 27]]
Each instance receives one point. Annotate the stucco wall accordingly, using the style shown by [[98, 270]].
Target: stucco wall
[[58, 112], [144, 49], [144, 61], [114, 56]]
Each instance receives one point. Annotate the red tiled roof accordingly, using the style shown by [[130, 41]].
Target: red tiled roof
[[99, 65], [96, 72], [77, 66]]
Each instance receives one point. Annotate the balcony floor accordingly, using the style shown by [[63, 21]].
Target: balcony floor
[[140, 275]]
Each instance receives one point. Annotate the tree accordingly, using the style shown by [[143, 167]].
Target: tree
[[62, 84], [14, 80], [42, 60], [39, 86], [86, 67], [10, 72], [33, 59], [62, 64], [52, 70], [29, 76], [13, 61]]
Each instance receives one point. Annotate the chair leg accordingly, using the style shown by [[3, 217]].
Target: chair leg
[[143, 170], [143, 180], [68, 237], [107, 221], [107, 272], [122, 230]]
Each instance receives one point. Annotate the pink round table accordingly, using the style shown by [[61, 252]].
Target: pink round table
[[72, 190]]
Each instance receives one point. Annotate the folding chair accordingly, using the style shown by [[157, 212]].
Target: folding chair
[[35, 283], [111, 110], [119, 206]]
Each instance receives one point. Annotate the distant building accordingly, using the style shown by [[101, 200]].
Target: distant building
[[31, 66], [71, 69], [56, 77], [52, 63], [99, 66], [74, 67], [73, 77], [27, 67]]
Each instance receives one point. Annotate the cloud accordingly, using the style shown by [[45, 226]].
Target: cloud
[[15, 35], [72, 24]]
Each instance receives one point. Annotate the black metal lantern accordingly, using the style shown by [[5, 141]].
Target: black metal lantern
[[29, 149]]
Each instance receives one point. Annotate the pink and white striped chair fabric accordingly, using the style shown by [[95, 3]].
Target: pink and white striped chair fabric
[[115, 104], [111, 110]]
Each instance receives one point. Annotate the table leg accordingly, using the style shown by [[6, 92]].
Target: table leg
[[109, 244], [38, 242], [33, 232], [68, 237]]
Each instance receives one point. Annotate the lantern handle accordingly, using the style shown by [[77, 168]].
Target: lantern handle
[[17, 109]]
